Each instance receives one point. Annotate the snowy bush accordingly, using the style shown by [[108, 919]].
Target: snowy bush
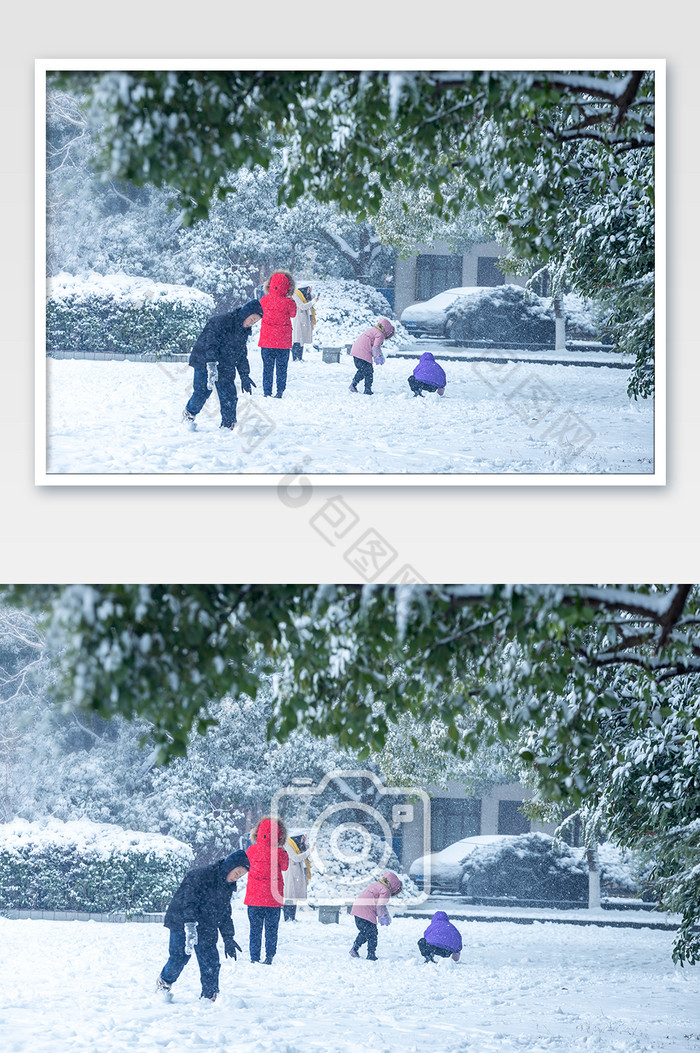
[[123, 314], [535, 866], [531, 866], [506, 314], [86, 866], [345, 861], [584, 318], [622, 872], [346, 308]]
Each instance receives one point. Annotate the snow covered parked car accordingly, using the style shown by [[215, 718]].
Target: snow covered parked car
[[493, 314], [507, 866], [503, 315], [447, 866], [428, 318], [526, 867]]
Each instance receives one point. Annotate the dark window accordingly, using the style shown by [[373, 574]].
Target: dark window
[[487, 273], [572, 833], [541, 284], [434, 274], [510, 818], [452, 818]]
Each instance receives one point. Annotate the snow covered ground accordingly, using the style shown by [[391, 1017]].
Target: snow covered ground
[[85, 986], [121, 419]]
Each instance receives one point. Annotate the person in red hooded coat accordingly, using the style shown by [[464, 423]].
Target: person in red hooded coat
[[275, 341], [264, 893]]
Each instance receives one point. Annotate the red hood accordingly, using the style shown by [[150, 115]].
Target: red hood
[[269, 832], [279, 285]]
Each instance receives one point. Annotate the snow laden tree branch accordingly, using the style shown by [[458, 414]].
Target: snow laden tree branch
[[160, 653], [347, 659], [643, 791], [564, 160], [22, 657], [596, 686], [343, 135]]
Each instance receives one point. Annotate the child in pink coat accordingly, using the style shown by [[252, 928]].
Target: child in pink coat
[[368, 349], [370, 908]]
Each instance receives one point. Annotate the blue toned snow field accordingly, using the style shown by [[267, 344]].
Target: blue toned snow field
[[499, 417], [83, 987]]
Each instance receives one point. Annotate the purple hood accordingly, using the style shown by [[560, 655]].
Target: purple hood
[[442, 933], [430, 372]]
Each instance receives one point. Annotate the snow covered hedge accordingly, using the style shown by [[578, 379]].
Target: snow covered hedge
[[346, 308], [622, 871], [585, 319], [509, 314], [86, 866], [527, 867], [123, 314], [534, 866]]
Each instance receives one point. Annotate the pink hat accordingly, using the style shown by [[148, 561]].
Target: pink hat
[[393, 881]]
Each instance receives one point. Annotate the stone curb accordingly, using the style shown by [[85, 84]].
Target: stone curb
[[108, 356], [78, 915]]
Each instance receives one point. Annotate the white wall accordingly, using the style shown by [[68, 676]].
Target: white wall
[[405, 270], [413, 846]]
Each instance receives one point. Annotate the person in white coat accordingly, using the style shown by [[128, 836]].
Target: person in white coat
[[297, 876], [303, 322]]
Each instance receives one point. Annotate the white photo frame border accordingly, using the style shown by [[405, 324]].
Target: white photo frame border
[[45, 478]]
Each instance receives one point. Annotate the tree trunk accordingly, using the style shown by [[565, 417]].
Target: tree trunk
[[559, 325], [364, 258], [593, 879]]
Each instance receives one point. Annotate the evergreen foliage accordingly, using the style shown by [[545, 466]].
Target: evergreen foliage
[[564, 160], [602, 679]]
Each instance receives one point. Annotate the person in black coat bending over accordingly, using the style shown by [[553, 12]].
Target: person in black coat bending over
[[198, 912], [220, 350]]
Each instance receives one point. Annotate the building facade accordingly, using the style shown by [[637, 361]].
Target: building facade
[[454, 815], [434, 269]]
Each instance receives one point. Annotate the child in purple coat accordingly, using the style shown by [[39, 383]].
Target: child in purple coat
[[441, 938], [370, 908], [427, 376], [366, 350]]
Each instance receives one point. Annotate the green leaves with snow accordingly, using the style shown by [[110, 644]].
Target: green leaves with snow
[[547, 150]]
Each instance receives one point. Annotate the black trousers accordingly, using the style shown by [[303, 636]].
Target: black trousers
[[226, 390], [365, 371], [267, 918], [275, 361], [368, 932], [297, 352], [207, 957], [429, 950], [418, 386]]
